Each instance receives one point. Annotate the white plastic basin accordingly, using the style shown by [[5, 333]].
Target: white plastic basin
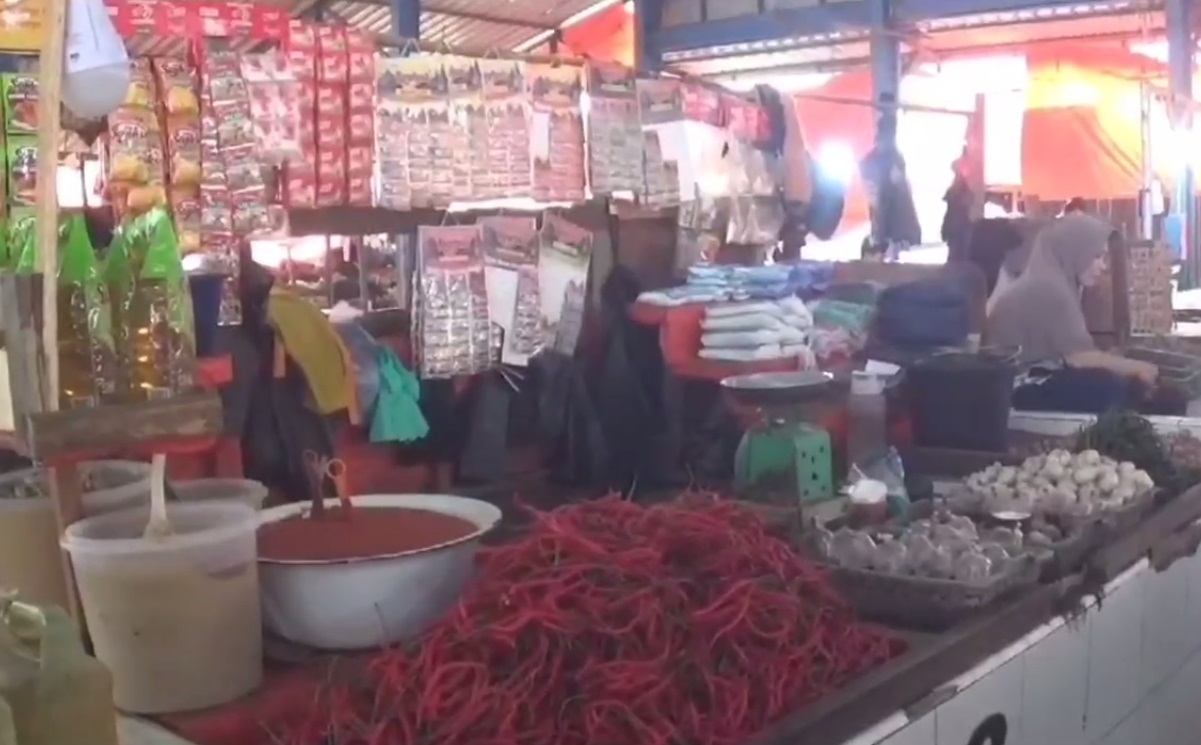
[[250, 493], [370, 602]]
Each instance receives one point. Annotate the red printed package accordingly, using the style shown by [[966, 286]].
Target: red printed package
[[331, 55], [300, 185], [301, 48], [360, 57], [274, 100], [331, 177], [360, 163]]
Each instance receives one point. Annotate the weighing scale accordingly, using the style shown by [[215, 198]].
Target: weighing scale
[[785, 459]]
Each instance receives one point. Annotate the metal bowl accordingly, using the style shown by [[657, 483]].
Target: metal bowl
[[782, 388], [371, 601]]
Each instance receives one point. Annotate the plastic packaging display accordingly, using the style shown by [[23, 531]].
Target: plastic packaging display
[[511, 259], [557, 132], [411, 128], [504, 170], [564, 257], [614, 132], [467, 123], [453, 327], [660, 107]]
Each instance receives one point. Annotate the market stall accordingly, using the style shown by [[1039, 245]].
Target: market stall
[[363, 615]]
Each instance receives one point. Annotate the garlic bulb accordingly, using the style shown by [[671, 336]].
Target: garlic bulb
[[1057, 482]]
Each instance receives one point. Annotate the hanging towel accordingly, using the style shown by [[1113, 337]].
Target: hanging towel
[[310, 340], [398, 416]]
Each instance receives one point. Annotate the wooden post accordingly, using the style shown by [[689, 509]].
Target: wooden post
[[63, 481]]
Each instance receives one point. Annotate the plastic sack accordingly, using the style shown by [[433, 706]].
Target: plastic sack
[[95, 62]]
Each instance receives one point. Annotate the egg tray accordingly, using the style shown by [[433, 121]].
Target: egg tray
[[929, 604]]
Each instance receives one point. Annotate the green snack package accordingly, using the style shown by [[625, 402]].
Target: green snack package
[[22, 170], [22, 244], [20, 102]]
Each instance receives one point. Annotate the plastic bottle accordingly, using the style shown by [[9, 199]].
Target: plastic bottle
[[867, 426], [87, 362], [151, 309]]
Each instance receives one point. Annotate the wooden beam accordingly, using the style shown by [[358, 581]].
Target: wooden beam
[[122, 428]]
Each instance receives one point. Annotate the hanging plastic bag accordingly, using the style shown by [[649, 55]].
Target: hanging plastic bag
[[95, 63], [398, 416]]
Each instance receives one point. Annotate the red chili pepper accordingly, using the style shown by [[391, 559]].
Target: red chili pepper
[[610, 623]]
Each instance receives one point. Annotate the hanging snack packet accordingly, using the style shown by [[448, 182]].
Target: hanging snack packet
[[178, 86]]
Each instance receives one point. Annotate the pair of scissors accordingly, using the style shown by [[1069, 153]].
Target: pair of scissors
[[323, 468]]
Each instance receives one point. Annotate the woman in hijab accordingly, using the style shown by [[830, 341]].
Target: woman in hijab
[[1040, 313]]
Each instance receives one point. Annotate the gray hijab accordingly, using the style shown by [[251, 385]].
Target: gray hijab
[[1016, 260], [1040, 312]]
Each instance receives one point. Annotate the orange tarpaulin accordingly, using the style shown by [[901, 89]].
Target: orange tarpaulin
[[1081, 129], [848, 125], [1071, 152], [607, 36]]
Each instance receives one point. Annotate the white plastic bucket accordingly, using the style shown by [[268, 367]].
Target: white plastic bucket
[[176, 620], [111, 485], [249, 493], [30, 559]]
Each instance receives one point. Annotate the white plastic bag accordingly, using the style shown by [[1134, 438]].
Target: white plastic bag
[[95, 63]]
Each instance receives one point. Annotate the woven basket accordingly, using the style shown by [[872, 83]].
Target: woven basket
[[928, 604]]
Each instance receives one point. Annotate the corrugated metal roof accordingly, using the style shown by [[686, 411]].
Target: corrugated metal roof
[[470, 25]]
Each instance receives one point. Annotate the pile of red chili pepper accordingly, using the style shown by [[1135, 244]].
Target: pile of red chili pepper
[[611, 623]]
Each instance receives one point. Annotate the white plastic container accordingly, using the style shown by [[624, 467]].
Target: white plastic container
[[176, 620], [30, 558], [111, 485], [250, 493], [371, 602]]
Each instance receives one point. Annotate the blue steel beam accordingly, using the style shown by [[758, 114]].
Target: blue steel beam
[[648, 20], [406, 18], [1182, 48], [795, 26]]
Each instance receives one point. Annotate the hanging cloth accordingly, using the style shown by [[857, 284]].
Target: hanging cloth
[[308, 337], [398, 416]]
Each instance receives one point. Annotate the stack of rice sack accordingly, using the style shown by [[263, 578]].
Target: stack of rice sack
[[757, 330]]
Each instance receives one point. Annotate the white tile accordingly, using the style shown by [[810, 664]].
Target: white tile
[[1170, 716], [1114, 652], [998, 693], [1165, 624], [132, 731], [1126, 732], [1193, 638], [1054, 683], [920, 732]]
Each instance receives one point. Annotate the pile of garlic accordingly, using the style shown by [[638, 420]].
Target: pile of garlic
[[1059, 483]]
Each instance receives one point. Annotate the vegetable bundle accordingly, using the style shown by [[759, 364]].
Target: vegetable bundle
[[611, 623], [1126, 436]]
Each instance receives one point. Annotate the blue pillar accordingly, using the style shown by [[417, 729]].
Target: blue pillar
[[1179, 17], [648, 19], [406, 18], [885, 51]]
